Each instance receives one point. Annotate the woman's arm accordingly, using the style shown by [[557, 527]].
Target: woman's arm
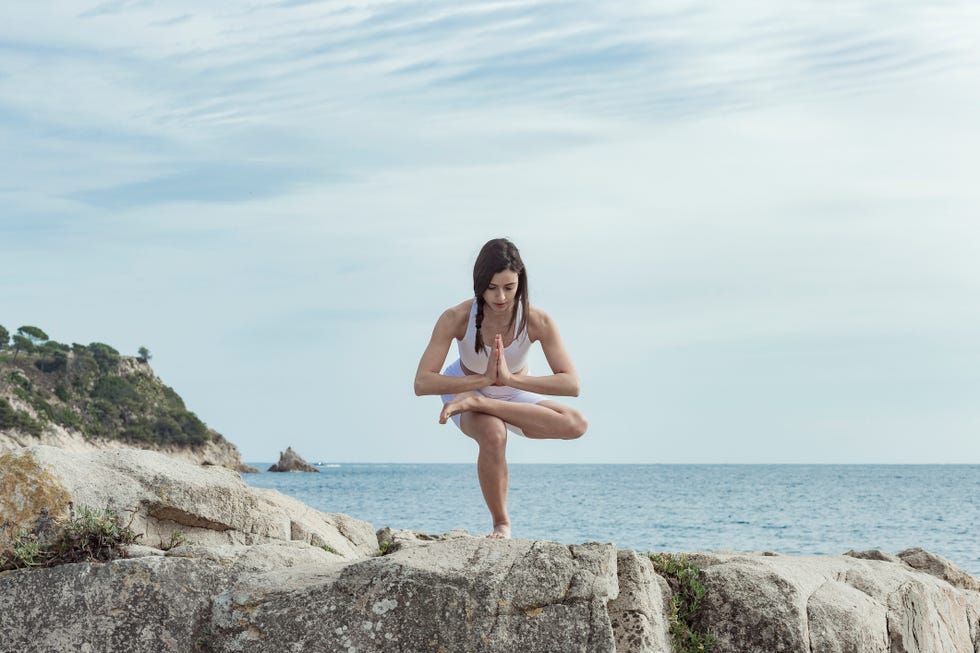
[[564, 379], [428, 378]]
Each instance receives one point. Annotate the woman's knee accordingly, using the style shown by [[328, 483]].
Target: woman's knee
[[489, 431], [577, 425], [492, 440]]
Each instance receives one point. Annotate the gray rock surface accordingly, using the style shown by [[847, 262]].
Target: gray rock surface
[[939, 567], [640, 614], [208, 505], [290, 461], [466, 594], [757, 603], [391, 540], [261, 571], [153, 603], [843, 619], [146, 604], [874, 554]]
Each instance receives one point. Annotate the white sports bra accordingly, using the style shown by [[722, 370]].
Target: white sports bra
[[515, 353]]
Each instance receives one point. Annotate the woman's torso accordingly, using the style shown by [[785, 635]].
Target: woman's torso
[[516, 344]]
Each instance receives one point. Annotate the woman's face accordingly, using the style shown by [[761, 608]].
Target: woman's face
[[499, 295]]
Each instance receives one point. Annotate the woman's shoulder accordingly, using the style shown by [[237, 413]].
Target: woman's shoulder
[[455, 318], [539, 322], [460, 310]]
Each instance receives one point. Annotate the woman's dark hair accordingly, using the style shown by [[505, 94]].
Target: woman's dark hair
[[496, 256]]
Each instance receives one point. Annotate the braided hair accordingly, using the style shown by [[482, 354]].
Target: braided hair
[[496, 256]]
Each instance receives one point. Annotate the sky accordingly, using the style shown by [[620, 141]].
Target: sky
[[755, 224]]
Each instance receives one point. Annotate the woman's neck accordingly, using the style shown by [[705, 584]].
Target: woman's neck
[[497, 323]]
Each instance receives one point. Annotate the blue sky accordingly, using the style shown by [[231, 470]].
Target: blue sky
[[756, 225]]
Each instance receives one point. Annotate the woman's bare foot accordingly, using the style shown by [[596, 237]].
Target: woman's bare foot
[[500, 531], [461, 403]]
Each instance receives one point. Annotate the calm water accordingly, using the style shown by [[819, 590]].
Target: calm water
[[820, 509]]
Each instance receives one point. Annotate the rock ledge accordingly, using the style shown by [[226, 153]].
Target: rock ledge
[[260, 571]]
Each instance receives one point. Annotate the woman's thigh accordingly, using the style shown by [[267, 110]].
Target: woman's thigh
[[485, 429]]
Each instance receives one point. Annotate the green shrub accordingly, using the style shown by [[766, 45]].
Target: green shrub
[[89, 535], [95, 397], [18, 379], [103, 417], [105, 356], [43, 408], [51, 347], [67, 417], [27, 551], [57, 360], [687, 593], [193, 428], [172, 399], [10, 418], [116, 390], [166, 429], [61, 392], [93, 535]]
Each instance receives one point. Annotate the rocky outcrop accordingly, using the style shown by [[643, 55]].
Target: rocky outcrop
[[290, 461], [161, 496], [939, 567], [468, 594], [260, 571], [148, 604], [640, 615], [216, 451], [759, 602]]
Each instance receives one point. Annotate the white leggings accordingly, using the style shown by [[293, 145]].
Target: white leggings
[[500, 392]]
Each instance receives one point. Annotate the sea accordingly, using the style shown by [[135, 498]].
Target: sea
[[791, 509]]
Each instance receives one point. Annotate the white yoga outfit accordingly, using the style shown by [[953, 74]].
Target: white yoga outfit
[[515, 354]]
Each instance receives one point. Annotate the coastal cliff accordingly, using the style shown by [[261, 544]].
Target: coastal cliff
[[220, 566], [89, 397]]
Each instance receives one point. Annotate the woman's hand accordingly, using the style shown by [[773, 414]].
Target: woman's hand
[[503, 373]]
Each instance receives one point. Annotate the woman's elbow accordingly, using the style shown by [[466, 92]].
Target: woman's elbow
[[574, 388], [423, 385]]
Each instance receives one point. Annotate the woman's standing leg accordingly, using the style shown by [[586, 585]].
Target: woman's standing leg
[[490, 434]]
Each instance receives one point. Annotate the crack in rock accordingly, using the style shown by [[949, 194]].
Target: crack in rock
[[184, 518]]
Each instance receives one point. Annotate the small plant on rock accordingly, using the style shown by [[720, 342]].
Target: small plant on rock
[[177, 538], [27, 550], [687, 590], [89, 535], [93, 535]]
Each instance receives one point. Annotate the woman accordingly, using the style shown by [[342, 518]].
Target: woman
[[488, 391]]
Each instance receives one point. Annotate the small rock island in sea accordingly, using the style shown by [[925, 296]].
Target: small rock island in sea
[[290, 461]]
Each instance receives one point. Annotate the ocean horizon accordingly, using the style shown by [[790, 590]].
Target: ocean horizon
[[798, 509]]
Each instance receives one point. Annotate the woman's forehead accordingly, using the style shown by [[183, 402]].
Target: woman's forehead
[[504, 277]]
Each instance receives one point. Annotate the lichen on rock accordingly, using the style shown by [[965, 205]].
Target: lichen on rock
[[27, 490]]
